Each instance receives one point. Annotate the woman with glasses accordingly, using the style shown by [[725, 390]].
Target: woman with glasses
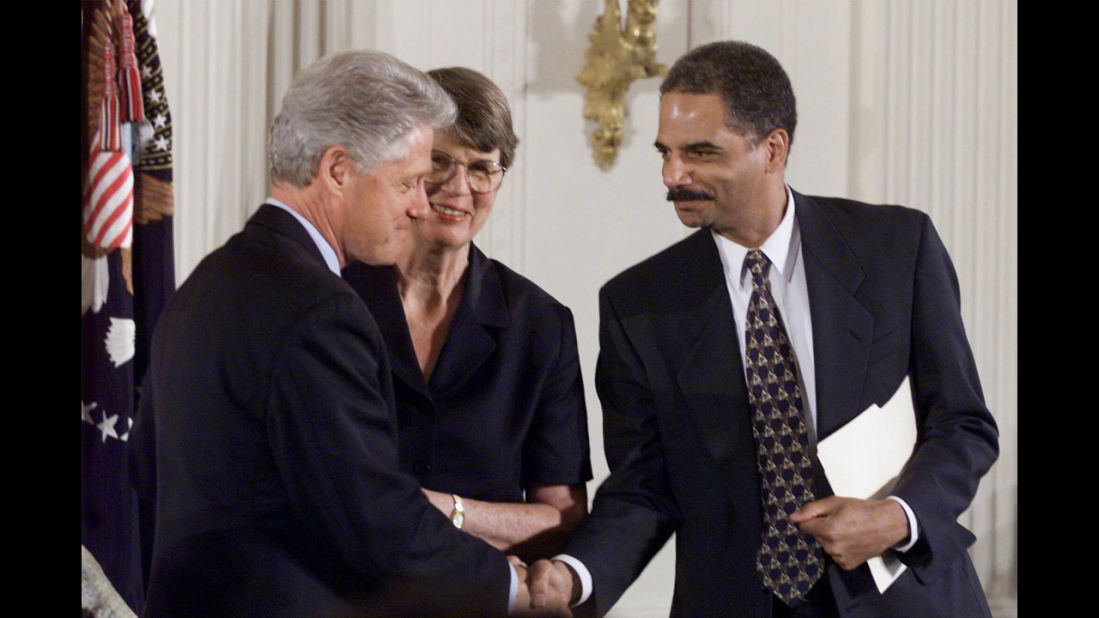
[[491, 415]]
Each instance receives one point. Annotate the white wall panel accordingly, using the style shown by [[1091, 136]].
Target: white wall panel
[[935, 116], [584, 225]]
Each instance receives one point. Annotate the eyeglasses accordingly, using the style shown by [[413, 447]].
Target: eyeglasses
[[482, 176]]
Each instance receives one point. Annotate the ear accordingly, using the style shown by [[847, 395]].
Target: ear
[[777, 143], [335, 169]]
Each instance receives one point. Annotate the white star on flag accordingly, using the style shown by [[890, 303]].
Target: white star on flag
[[106, 426], [95, 280], [129, 426], [120, 340], [154, 96], [85, 412], [160, 143], [160, 120], [146, 71]]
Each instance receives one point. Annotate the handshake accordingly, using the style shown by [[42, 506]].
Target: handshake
[[546, 588]]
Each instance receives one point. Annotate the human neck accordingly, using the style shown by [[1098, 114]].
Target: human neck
[[312, 205], [429, 276], [759, 222]]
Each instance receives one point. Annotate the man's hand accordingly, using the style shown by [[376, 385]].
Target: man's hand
[[553, 587], [851, 530], [524, 600]]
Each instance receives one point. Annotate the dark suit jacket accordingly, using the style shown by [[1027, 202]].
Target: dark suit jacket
[[505, 404], [266, 437], [884, 304]]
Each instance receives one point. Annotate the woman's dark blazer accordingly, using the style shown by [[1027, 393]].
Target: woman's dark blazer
[[505, 404]]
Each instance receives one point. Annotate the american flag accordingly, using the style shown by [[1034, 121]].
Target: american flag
[[127, 268]]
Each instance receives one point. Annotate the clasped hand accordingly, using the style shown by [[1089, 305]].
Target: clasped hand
[[545, 589]]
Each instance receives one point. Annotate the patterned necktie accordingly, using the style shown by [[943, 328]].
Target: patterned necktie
[[789, 561]]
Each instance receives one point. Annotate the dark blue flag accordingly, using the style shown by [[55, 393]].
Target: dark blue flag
[[126, 276]]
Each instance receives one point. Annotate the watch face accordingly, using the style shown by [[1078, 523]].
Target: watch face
[[458, 520]]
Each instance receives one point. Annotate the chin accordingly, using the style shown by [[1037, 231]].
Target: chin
[[448, 241], [689, 219], [385, 255]]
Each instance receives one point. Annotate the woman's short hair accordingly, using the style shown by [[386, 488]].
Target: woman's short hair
[[484, 118]]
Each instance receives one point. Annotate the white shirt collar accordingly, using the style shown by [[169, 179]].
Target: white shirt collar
[[781, 247], [326, 250]]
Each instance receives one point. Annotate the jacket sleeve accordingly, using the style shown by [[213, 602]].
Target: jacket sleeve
[[556, 451], [634, 512], [957, 438], [335, 446]]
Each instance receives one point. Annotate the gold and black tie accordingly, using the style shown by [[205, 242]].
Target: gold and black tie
[[789, 561]]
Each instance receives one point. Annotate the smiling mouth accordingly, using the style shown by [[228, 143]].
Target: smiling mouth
[[448, 212]]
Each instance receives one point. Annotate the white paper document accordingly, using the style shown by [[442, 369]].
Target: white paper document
[[863, 459]]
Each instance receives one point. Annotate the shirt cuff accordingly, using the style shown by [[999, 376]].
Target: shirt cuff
[[913, 529], [514, 589], [582, 572]]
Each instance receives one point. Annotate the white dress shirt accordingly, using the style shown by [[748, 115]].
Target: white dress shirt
[[791, 294]]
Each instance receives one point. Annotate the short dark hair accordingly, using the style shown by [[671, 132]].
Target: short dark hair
[[484, 118], [757, 92]]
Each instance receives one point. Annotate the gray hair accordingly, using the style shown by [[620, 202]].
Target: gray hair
[[365, 101]]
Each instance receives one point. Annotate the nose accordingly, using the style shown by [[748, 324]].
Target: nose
[[459, 182], [419, 207], [675, 174]]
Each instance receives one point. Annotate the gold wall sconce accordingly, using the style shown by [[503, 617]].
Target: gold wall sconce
[[616, 58]]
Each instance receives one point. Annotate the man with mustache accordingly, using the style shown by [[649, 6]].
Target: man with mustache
[[779, 321]]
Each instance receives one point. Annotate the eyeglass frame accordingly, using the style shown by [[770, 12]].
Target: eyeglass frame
[[454, 164]]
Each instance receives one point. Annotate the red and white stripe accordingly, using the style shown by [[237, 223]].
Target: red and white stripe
[[109, 200], [108, 204], [133, 108], [110, 124]]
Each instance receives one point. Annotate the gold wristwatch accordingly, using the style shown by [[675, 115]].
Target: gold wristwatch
[[458, 515]]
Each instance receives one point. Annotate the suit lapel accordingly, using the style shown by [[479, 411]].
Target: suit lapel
[[842, 327], [284, 224], [472, 337], [378, 288], [712, 375]]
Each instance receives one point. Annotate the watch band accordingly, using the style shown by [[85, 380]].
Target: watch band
[[458, 515]]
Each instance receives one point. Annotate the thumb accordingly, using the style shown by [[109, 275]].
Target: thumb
[[538, 576], [817, 508]]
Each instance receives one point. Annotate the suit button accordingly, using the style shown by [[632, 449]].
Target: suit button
[[421, 467]]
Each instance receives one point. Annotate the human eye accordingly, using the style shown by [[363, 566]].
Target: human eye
[[483, 169], [702, 154], [440, 160]]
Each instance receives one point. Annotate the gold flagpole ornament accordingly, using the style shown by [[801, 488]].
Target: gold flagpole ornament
[[616, 58]]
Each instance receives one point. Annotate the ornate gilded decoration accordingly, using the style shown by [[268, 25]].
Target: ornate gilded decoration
[[616, 58]]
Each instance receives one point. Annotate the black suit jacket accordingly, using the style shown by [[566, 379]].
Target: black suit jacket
[[266, 437], [505, 404], [884, 304]]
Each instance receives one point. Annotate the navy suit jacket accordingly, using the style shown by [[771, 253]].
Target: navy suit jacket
[[267, 439], [884, 304], [504, 407]]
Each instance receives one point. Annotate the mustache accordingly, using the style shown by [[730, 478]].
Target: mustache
[[680, 194]]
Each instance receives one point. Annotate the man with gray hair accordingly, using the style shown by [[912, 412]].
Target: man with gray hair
[[266, 435]]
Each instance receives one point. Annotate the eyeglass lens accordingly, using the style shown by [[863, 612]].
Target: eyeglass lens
[[483, 176]]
